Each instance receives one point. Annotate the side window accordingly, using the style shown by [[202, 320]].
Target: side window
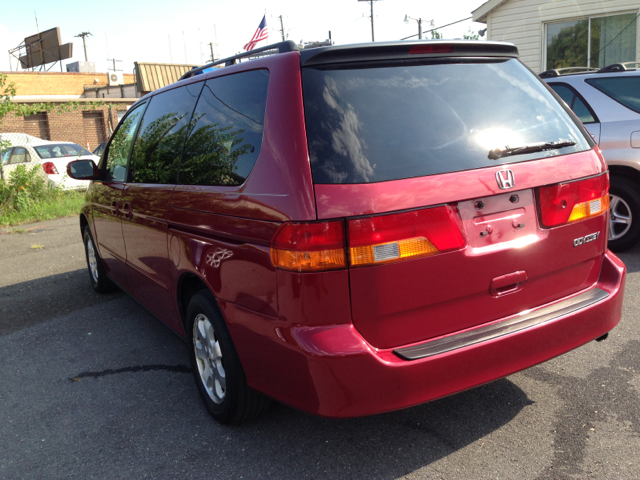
[[623, 89], [582, 111], [5, 155], [564, 92], [575, 102], [120, 146], [226, 130], [156, 153], [20, 155]]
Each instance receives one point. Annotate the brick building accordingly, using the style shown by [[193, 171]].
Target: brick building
[[87, 124]]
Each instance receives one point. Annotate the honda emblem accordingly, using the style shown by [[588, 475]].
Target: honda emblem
[[505, 179]]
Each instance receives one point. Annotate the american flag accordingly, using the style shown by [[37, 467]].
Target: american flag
[[262, 33]]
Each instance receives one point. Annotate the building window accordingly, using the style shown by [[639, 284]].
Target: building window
[[592, 42]]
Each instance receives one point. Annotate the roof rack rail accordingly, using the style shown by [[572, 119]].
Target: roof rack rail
[[282, 47], [556, 72], [617, 67]]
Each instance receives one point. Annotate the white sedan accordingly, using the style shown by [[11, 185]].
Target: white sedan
[[53, 156]]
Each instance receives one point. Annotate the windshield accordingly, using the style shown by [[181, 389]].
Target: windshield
[[400, 120], [56, 150]]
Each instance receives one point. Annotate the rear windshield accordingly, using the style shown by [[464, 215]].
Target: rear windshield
[[61, 150], [624, 90], [379, 123]]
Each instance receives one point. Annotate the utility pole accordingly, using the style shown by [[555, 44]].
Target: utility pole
[[373, 38], [281, 27], [84, 43], [213, 58]]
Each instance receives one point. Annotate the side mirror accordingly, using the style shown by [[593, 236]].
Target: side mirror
[[83, 170]]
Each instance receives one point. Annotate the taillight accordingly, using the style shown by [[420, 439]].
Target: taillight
[[309, 247], [401, 236], [312, 247], [574, 201], [50, 168]]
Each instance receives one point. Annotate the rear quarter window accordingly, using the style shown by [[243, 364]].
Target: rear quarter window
[[378, 123], [226, 132], [624, 90], [575, 102]]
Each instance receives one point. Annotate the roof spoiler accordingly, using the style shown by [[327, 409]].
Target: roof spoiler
[[406, 50]]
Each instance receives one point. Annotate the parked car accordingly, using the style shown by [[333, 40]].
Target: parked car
[[356, 229], [607, 101], [53, 156]]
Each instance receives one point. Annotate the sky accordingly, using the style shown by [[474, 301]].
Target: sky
[[164, 31]]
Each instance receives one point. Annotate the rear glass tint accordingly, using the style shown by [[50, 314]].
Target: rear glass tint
[[624, 90], [396, 121], [226, 131]]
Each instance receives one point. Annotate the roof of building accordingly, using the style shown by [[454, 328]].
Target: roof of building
[[480, 13]]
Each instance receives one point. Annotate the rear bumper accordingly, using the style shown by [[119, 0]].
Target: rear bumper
[[331, 371]]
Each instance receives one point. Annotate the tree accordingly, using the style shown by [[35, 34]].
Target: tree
[[435, 35], [471, 35]]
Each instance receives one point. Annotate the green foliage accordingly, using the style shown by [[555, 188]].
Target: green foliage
[[435, 35], [23, 189], [26, 197], [8, 91], [569, 47]]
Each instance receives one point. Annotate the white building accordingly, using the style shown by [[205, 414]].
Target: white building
[[565, 33]]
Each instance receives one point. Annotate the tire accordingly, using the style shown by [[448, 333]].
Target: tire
[[99, 280], [624, 216], [216, 367]]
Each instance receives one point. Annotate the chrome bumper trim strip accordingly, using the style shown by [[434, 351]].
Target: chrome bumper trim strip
[[522, 321]]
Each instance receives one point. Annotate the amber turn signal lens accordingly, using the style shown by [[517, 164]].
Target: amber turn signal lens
[[308, 261], [589, 209], [309, 247]]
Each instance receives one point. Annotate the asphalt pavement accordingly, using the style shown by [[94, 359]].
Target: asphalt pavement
[[92, 386]]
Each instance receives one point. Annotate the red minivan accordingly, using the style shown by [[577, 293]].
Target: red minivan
[[356, 229]]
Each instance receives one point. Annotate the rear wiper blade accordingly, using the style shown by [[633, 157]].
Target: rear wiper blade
[[507, 151]]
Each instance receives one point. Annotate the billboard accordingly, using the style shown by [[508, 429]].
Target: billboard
[[45, 47]]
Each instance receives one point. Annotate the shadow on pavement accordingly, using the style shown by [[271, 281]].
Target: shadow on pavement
[[29, 303]]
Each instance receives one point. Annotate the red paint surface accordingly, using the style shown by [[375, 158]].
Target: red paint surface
[[343, 379]]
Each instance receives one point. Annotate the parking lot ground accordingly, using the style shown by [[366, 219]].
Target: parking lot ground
[[92, 386]]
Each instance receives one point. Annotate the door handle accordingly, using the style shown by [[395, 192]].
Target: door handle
[[115, 208], [509, 283], [128, 211]]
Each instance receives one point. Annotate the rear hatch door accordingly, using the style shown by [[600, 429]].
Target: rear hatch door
[[430, 148]]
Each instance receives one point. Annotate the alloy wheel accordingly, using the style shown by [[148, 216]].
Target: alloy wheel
[[93, 261], [209, 358], [619, 218]]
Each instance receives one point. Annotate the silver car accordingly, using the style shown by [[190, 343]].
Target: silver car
[[607, 101]]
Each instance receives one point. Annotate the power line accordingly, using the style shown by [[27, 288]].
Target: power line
[[621, 31], [447, 25]]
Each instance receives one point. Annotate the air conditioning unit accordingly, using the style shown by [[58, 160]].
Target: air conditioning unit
[[116, 78]]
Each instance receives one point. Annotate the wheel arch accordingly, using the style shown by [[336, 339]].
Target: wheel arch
[[188, 285], [629, 173], [83, 222]]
